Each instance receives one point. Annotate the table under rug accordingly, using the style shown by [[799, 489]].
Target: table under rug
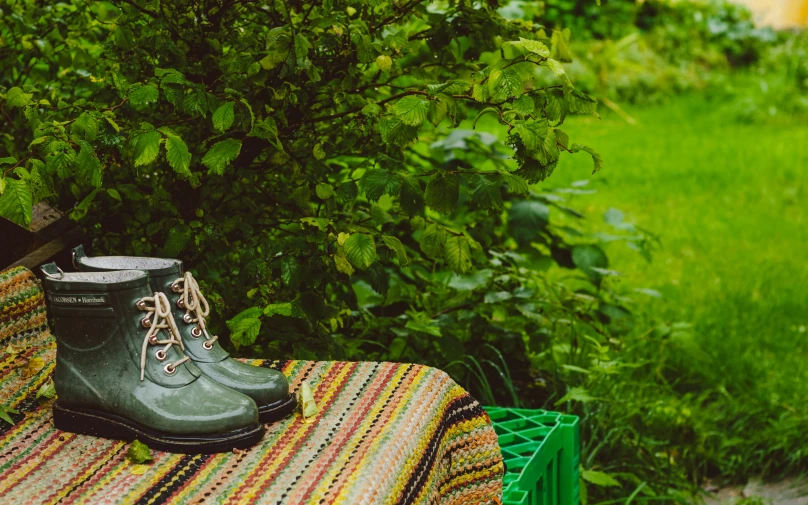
[[386, 433]]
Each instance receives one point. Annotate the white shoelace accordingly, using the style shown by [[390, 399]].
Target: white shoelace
[[159, 318], [194, 301]]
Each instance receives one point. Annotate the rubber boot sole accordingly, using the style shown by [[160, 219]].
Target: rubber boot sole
[[278, 410], [105, 425]]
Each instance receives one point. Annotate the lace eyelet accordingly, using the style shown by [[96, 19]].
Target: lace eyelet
[[141, 305], [180, 303], [207, 345], [153, 340], [196, 332], [170, 369], [145, 322], [160, 355], [187, 319], [175, 286]]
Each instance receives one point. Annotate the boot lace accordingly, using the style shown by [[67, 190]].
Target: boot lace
[[159, 318], [196, 308]]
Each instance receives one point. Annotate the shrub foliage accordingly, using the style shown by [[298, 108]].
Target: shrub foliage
[[307, 158]]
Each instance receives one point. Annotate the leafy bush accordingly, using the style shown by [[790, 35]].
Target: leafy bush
[[307, 162]]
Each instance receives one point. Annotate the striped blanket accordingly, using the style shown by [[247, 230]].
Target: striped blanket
[[386, 433]]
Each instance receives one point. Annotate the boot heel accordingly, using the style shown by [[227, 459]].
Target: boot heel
[[87, 424]]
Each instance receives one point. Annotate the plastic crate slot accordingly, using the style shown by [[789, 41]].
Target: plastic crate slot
[[520, 424], [528, 449], [508, 441], [501, 430], [537, 433], [517, 463]]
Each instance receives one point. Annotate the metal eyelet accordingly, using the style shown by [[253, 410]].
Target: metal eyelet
[[187, 319], [207, 345], [175, 286], [153, 340], [145, 322], [180, 303], [141, 305], [196, 332], [170, 369], [160, 355]]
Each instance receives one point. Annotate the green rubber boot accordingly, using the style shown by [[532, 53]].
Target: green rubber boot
[[121, 372], [269, 388]]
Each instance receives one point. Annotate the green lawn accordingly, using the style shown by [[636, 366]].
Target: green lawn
[[730, 204]]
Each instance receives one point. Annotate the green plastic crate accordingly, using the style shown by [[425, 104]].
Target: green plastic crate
[[541, 450]]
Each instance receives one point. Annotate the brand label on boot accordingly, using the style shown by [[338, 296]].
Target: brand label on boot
[[65, 299]]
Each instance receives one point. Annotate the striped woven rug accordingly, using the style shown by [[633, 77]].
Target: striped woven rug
[[386, 433]]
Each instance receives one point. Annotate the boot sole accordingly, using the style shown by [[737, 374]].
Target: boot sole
[[278, 410], [105, 425]]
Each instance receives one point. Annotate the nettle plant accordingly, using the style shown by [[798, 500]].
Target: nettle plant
[[314, 162]]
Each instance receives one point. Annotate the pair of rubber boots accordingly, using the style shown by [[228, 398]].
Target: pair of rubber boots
[[134, 360]]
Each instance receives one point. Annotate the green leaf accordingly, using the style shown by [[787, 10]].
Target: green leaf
[[588, 258], [524, 105], [283, 309], [223, 117], [4, 414], [343, 265], [516, 184], [144, 95], [371, 109], [424, 327], [318, 152], [412, 110], [244, 330], [458, 254], [527, 219], [177, 154], [433, 241], [220, 155], [577, 394], [85, 126], [486, 193], [291, 272], [384, 62], [360, 250], [196, 103], [278, 44], [469, 282], [396, 131], [411, 196], [601, 479], [147, 147], [61, 163], [504, 84], [88, 168], [497, 296], [324, 191], [139, 453], [398, 248], [16, 202], [531, 47], [177, 240], [442, 192], [16, 97], [376, 183], [597, 159], [9, 160], [47, 390], [480, 93], [558, 70], [560, 48]]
